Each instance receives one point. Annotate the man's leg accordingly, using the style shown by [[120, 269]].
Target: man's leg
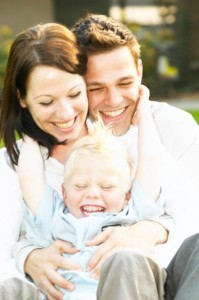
[[18, 289], [183, 272], [131, 275]]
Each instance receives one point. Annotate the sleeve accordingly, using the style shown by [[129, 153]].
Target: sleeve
[[22, 249], [179, 135], [10, 208], [38, 227], [144, 206], [147, 209], [36, 231]]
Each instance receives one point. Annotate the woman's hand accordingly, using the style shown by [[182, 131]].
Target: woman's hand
[[42, 265], [143, 235]]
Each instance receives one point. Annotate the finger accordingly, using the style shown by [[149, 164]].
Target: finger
[[100, 238], [56, 279], [144, 92], [62, 246], [49, 290], [96, 271], [66, 264], [99, 254], [134, 119]]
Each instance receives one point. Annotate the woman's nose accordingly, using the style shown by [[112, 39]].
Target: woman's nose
[[65, 110]]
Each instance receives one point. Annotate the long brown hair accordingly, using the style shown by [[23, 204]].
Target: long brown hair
[[49, 44]]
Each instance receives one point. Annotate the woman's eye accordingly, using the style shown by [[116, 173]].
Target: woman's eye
[[46, 103], [75, 95]]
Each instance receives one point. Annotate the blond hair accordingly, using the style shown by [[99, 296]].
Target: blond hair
[[100, 143]]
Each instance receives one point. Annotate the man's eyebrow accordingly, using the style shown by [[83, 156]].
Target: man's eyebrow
[[94, 83], [118, 80]]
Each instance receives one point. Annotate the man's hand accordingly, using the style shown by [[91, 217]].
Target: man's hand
[[42, 265], [143, 235]]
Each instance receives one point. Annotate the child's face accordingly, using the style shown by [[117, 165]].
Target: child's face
[[94, 186]]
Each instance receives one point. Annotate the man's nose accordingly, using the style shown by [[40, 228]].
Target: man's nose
[[113, 97]]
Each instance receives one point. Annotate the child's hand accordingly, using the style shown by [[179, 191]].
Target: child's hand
[[143, 106]]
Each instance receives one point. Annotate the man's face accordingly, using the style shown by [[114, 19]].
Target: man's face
[[113, 87]]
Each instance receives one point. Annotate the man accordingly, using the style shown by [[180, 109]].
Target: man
[[114, 73]]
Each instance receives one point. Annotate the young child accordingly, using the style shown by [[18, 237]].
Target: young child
[[98, 177]]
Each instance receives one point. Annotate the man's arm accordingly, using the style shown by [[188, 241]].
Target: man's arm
[[41, 264]]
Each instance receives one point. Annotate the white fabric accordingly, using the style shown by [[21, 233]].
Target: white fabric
[[179, 134]]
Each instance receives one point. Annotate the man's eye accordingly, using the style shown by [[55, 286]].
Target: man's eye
[[126, 83], [94, 89]]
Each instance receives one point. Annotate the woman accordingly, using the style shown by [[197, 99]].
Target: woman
[[45, 97]]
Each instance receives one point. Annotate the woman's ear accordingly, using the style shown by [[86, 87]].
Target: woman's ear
[[21, 100]]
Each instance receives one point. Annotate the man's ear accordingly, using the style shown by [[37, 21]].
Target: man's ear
[[140, 70], [21, 100]]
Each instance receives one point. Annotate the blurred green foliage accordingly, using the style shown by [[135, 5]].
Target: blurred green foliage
[[155, 41], [6, 39]]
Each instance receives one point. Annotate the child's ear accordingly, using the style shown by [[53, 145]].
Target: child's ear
[[21, 100], [64, 194], [127, 198]]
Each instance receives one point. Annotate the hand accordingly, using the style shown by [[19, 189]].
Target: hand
[[143, 105], [143, 235], [42, 265]]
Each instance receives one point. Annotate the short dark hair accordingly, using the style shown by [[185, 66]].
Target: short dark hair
[[97, 34]]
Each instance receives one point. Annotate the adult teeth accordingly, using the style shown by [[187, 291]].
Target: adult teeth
[[65, 125], [114, 113]]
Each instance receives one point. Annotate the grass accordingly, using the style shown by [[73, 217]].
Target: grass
[[195, 114]]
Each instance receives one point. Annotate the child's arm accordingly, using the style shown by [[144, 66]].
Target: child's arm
[[148, 171], [31, 173]]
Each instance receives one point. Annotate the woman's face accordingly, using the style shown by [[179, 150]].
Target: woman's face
[[57, 101]]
